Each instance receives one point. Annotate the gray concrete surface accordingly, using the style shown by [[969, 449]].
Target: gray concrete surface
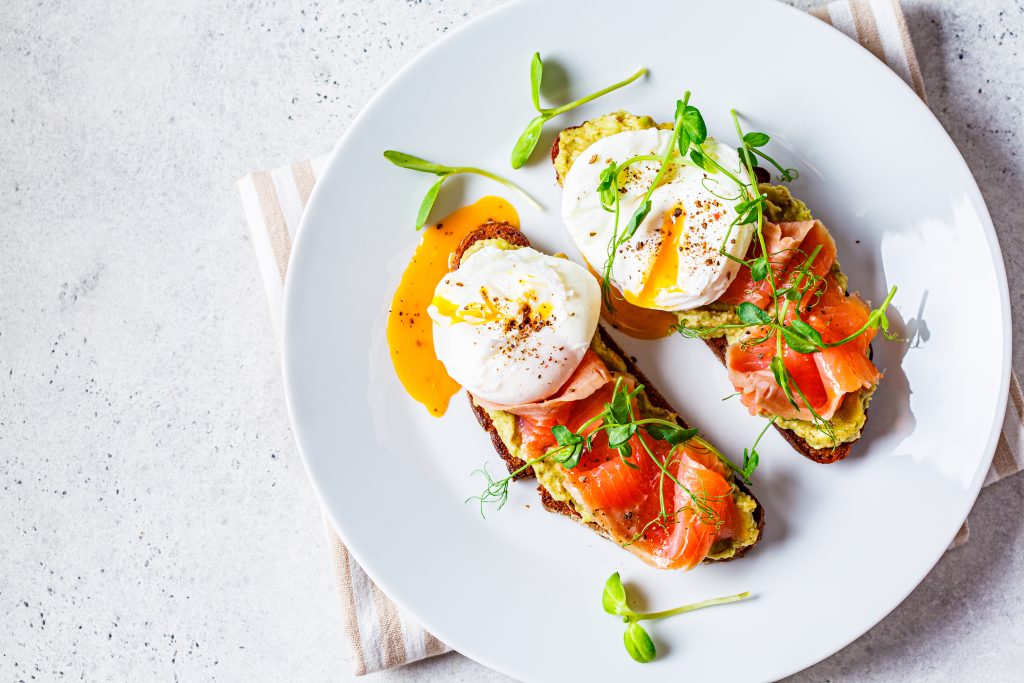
[[156, 523]]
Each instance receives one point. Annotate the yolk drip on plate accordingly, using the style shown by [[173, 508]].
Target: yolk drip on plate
[[409, 331], [639, 323]]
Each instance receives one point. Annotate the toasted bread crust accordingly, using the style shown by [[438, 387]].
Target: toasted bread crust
[[491, 231], [488, 231], [561, 508], [824, 456], [555, 146], [511, 462]]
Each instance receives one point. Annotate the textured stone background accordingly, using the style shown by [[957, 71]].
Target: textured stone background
[[156, 522]]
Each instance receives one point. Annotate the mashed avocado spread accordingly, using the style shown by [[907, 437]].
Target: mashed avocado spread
[[780, 207], [549, 474]]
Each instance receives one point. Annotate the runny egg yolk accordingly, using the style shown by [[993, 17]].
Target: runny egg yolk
[[664, 273], [637, 322], [409, 331], [489, 310], [474, 313]]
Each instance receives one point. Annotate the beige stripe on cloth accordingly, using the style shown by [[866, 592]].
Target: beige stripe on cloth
[[273, 220], [343, 577], [381, 634]]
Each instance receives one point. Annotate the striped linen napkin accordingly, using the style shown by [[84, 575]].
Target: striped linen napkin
[[381, 634]]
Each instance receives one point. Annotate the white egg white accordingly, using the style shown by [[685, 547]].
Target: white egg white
[[511, 325], [691, 212]]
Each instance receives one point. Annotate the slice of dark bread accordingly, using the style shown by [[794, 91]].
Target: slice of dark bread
[[719, 344], [514, 236]]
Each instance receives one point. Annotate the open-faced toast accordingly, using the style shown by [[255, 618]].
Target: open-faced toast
[[822, 445], [506, 441], [821, 455]]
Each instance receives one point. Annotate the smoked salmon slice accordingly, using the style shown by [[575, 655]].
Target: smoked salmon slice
[[825, 377], [847, 368], [789, 246], [625, 499], [590, 375], [536, 419]]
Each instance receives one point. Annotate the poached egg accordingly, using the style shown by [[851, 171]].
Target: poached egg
[[672, 262], [512, 325]]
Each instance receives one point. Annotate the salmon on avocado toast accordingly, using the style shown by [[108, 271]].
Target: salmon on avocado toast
[[604, 446], [687, 234]]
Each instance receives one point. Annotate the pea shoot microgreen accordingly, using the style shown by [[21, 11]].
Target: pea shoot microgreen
[[752, 144], [637, 641], [408, 161], [527, 141]]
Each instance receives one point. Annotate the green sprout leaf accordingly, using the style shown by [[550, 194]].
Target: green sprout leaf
[[751, 459], [413, 163], [802, 338], [781, 374], [403, 160], [527, 142], [694, 125], [797, 342], [750, 211], [613, 599], [563, 435], [683, 141], [428, 203], [680, 110], [778, 367], [536, 74], [751, 314], [637, 641], [620, 434], [698, 158], [750, 462], [618, 409], [571, 446], [571, 457], [673, 434], [625, 453], [637, 218], [639, 644], [808, 332], [748, 217], [759, 269], [756, 139], [606, 187], [747, 157]]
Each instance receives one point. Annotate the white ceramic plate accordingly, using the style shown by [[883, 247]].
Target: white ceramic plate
[[844, 544]]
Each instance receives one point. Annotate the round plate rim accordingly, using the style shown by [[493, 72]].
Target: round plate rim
[[292, 386]]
